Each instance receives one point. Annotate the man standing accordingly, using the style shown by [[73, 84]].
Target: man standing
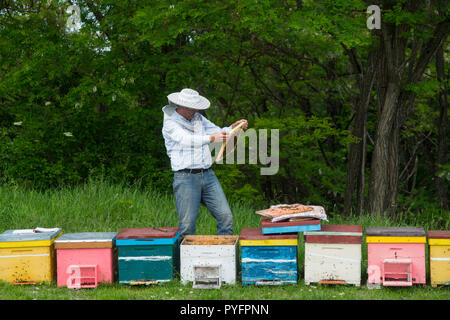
[[187, 135]]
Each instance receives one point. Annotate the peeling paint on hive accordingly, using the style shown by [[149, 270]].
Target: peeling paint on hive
[[268, 259], [333, 255]]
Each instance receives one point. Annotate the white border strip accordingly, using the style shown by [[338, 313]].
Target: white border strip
[[333, 257], [332, 233], [90, 240], [27, 255], [267, 260], [146, 258], [440, 259], [137, 282]]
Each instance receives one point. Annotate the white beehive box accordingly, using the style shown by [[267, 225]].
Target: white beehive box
[[333, 255], [209, 261]]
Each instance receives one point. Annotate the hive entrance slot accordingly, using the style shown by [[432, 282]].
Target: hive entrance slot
[[332, 282], [23, 282], [397, 272], [82, 276], [269, 282], [207, 277]]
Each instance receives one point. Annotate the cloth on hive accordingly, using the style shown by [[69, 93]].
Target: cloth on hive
[[37, 230], [283, 212], [23, 231]]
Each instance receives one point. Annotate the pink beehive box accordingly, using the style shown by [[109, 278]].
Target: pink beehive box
[[396, 256], [85, 259]]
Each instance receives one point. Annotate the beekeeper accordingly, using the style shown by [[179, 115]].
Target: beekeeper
[[187, 135]]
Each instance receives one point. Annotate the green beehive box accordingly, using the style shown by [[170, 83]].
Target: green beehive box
[[147, 255]]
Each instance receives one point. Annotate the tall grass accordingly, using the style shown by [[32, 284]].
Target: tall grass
[[102, 206]]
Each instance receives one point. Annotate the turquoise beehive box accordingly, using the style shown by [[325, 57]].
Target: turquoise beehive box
[[147, 255]]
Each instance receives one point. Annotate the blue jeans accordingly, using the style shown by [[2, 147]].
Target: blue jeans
[[190, 190]]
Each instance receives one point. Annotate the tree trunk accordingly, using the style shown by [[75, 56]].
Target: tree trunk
[[357, 152], [441, 187], [384, 170], [394, 105]]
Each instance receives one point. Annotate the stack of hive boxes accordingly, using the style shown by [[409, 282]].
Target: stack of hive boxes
[[269, 255]]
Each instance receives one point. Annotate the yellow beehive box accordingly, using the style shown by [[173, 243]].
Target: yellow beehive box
[[27, 256], [396, 239], [439, 242]]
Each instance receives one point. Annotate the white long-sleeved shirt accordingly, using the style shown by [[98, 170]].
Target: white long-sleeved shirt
[[187, 142]]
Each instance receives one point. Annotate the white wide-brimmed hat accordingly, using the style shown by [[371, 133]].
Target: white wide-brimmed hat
[[190, 99]]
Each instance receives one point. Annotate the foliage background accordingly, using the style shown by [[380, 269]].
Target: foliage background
[[77, 105]]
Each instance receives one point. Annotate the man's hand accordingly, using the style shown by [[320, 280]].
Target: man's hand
[[244, 126], [218, 137]]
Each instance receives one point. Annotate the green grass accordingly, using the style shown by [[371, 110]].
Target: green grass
[[99, 206], [175, 291]]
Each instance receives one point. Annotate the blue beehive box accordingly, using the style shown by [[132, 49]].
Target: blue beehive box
[[281, 227], [268, 259]]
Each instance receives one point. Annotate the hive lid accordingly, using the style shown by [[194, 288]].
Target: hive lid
[[396, 232], [344, 234], [266, 223], [210, 240], [256, 234], [148, 233], [438, 234], [86, 240], [336, 230], [12, 236]]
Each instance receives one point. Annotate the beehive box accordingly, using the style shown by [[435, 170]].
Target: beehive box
[[85, 259], [396, 256], [147, 255], [27, 258], [439, 244], [280, 227], [208, 261], [333, 255], [268, 259]]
